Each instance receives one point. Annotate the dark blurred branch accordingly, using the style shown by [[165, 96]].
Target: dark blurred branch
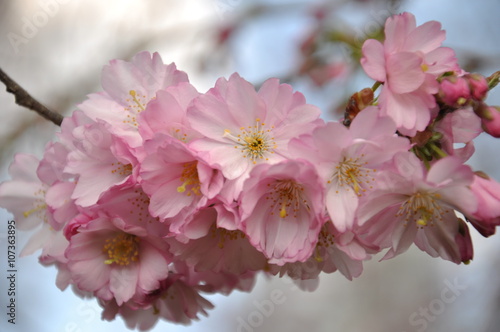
[[23, 98]]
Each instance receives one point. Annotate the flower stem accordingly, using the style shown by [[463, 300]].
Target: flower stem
[[376, 85]]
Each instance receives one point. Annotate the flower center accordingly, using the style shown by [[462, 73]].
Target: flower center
[[189, 179], [225, 234], [423, 209], [254, 142], [121, 169], [122, 249], [179, 134], [325, 240], [138, 203], [39, 206], [286, 195], [351, 173], [136, 105]]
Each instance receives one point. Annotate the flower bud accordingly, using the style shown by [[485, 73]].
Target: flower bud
[[478, 86], [356, 104], [490, 120], [454, 91], [464, 242], [322, 74]]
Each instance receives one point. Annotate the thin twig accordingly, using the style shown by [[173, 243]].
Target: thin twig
[[23, 98]]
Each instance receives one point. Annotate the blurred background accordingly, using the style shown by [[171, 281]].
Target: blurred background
[[55, 49]]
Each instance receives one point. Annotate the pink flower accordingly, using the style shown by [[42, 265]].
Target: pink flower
[[334, 251], [460, 126], [243, 128], [347, 160], [212, 248], [33, 204], [128, 88], [282, 208], [116, 260], [174, 301], [487, 216], [100, 161], [24, 195], [166, 114], [419, 206], [187, 185], [58, 196], [132, 206], [408, 63]]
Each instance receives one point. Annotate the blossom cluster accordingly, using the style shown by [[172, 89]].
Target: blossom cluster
[[156, 193]]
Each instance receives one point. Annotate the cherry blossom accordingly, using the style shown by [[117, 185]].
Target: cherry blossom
[[408, 63], [128, 88], [243, 127], [115, 260], [155, 194], [282, 210], [348, 158], [419, 206]]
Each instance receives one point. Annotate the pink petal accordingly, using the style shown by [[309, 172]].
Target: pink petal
[[123, 281], [425, 38], [450, 168], [153, 268], [373, 60], [37, 240], [441, 60], [341, 207], [404, 72], [397, 28]]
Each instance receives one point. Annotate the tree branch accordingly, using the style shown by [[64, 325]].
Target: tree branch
[[23, 98]]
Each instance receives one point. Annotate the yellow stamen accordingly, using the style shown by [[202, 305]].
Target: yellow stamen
[[121, 169], [286, 195], [190, 178], [122, 249], [354, 180], [134, 98], [283, 210], [351, 173], [255, 142], [421, 222], [423, 209], [37, 208], [317, 255]]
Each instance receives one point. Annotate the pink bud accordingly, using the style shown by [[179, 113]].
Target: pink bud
[[490, 121], [321, 75], [320, 13], [478, 86], [224, 34], [454, 91], [464, 242], [308, 45]]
